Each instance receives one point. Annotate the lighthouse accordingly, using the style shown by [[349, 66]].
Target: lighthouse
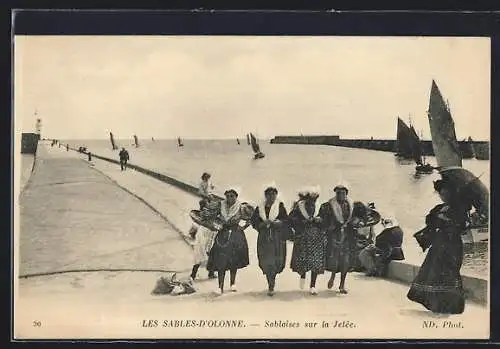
[[38, 127]]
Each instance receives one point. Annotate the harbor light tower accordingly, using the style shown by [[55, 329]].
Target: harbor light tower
[[38, 127]]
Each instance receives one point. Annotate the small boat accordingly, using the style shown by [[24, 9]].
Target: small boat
[[422, 167], [152, 139], [179, 142], [238, 141], [136, 141], [112, 139], [449, 161], [256, 148]]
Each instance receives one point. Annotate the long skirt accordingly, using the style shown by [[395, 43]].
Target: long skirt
[[339, 255], [308, 252], [202, 245], [229, 251], [361, 244], [367, 258], [271, 251], [438, 285]]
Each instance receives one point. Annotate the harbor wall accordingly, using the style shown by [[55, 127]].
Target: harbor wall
[[29, 143], [389, 145], [404, 271]]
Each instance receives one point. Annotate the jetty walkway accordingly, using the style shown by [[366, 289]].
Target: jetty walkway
[[86, 226]]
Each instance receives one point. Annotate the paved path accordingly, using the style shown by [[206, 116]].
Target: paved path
[[114, 305], [73, 217]]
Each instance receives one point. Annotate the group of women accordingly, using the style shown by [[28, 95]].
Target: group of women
[[324, 240]]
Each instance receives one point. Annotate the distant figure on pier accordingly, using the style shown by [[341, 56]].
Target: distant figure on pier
[[375, 258], [124, 157], [90, 156], [271, 222], [438, 284], [309, 241], [67, 147], [205, 189], [337, 216]]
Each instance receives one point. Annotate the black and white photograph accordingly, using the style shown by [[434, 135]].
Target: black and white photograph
[[280, 187]]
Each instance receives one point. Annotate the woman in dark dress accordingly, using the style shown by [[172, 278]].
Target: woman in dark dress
[[230, 248], [438, 285], [271, 221], [309, 240], [339, 219]]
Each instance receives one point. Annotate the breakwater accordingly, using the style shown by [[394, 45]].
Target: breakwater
[[468, 148], [29, 143]]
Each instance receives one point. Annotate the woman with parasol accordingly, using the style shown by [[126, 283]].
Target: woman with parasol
[[438, 285]]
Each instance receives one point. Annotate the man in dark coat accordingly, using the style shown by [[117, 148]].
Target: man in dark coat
[[124, 157]]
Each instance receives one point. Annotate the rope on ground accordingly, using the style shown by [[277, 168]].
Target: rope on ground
[[26, 276]]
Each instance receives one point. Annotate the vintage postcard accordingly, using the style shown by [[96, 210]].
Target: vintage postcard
[[262, 187]]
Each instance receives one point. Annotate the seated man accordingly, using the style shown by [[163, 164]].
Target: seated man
[[375, 258]]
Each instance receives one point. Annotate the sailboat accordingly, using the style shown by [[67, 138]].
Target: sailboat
[[248, 139], [112, 139], [256, 147], [153, 139], [403, 144], [422, 167], [449, 160], [238, 141], [136, 141], [179, 142]]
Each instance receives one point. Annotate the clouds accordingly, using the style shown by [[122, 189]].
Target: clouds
[[227, 86]]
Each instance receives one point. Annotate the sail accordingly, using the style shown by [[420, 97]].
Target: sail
[[113, 144], [255, 145], [136, 141], [237, 141], [179, 142], [444, 139], [415, 146], [404, 144]]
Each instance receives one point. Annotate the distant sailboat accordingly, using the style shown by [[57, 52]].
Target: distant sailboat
[[256, 147], [238, 141], [112, 139], [152, 138], [179, 142], [422, 166], [136, 141], [404, 143], [449, 160]]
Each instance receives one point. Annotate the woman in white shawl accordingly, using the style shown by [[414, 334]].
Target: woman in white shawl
[[230, 248], [309, 242], [271, 221]]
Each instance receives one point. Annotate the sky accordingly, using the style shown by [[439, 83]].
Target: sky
[[83, 87]]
